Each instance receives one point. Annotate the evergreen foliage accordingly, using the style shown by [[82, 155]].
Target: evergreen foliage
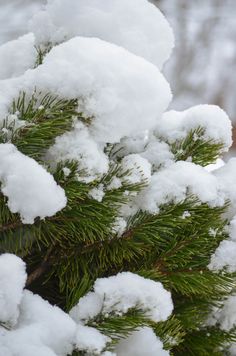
[[67, 252]]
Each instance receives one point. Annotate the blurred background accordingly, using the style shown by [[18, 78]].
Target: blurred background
[[202, 68]]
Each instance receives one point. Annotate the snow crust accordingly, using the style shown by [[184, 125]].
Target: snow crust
[[135, 25], [31, 190]]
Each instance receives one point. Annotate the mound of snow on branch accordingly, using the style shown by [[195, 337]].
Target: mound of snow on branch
[[135, 25], [31, 190]]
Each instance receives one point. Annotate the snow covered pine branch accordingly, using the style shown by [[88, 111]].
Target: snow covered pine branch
[[121, 214]]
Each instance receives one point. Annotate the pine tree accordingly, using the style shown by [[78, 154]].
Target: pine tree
[[109, 230]]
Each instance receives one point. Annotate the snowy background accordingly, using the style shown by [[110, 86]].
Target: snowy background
[[202, 66]]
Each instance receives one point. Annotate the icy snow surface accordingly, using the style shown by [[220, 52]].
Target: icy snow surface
[[135, 25]]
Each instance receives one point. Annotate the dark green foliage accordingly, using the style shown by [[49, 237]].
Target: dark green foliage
[[67, 252], [195, 147]]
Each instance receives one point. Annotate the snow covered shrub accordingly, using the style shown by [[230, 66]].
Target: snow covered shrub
[[117, 234]]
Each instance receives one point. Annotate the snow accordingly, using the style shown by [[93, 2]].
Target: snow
[[90, 339], [213, 166], [158, 153], [138, 168], [122, 292], [23, 52], [12, 281], [226, 177], [175, 125], [97, 193], [127, 290], [135, 25], [119, 226], [88, 307], [78, 145], [31, 190], [224, 256], [109, 81], [141, 342], [41, 328], [174, 183]]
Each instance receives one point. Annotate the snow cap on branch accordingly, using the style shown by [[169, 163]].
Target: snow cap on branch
[[31, 190], [122, 93], [217, 126], [122, 292], [135, 25]]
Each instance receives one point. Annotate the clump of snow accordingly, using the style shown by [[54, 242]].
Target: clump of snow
[[22, 51], [115, 183], [139, 169], [226, 316], [78, 145], [119, 226], [176, 182], [175, 125], [88, 307], [12, 282], [158, 154], [135, 25], [123, 93], [31, 190], [213, 166], [90, 340], [226, 177], [224, 256], [122, 292], [127, 290], [97, 193], [141, 342], [42, 329]]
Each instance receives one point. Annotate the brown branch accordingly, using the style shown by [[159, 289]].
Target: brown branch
[[42, 268]]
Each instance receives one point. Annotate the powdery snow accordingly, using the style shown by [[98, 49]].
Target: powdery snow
[[138, 167], [90, 340], [141, 342], [123, 93], [135, 25], [127, 290], [12, 281], [78, 145], [225, 255], [41, 328], [31, 190], [176, 182], [226, 177], [175, 125], [17, 56]]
